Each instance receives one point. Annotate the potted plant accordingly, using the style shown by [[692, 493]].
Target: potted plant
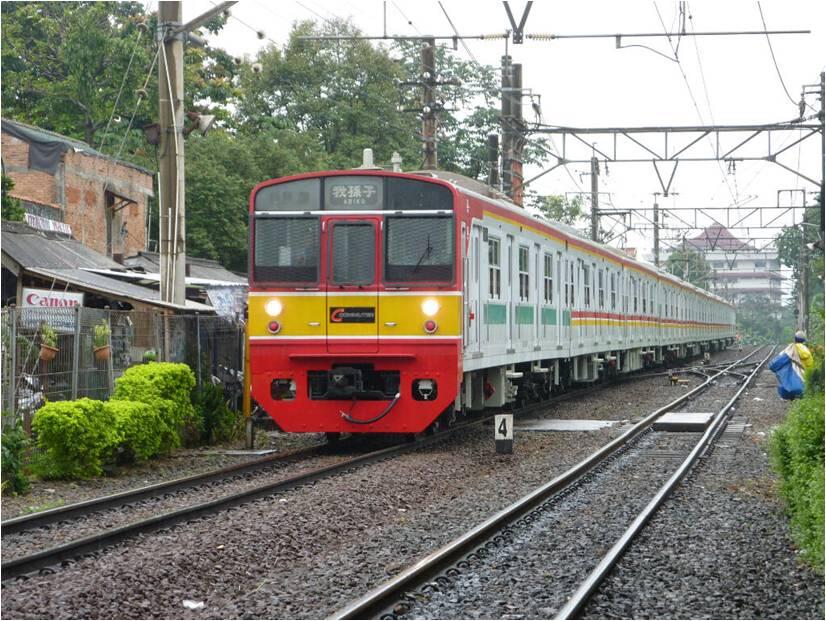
[[101, 341], [48, 343]]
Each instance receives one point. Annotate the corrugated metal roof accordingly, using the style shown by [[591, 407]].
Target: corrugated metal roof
[[63, 259], [34, 248], [205, 269], [112, 288]]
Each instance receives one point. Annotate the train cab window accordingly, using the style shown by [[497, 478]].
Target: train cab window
[[410, 194], [353, 257], [601, 288], [494, 268], [524, 274], [303, 195], [286, 250], [549, 279], [586, 281], [418, 249]]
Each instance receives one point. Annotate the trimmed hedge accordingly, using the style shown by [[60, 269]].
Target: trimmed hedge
[[140, 429], [797, 449], [166, 387], [77, 437]]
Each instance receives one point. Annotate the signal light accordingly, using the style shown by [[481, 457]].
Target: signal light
[[430, 326], [274, 327]]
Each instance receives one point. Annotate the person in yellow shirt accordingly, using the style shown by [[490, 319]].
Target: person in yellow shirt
[[806, 359]]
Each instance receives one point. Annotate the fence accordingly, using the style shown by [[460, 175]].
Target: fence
[[210, 345]]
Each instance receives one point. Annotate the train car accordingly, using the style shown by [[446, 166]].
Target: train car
[[381, 301]]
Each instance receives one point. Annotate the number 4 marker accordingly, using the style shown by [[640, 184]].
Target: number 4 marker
[[503, 433]]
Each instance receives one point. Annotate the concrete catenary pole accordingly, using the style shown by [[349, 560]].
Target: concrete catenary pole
[[429, 116], [594, 198], [171, 153]]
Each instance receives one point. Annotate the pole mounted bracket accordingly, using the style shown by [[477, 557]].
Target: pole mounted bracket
[[518, 31]]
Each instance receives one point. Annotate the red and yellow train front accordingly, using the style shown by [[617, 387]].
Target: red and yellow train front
[[355, 307]]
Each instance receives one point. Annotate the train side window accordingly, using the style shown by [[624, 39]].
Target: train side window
[[601, 288], [569, 297], [586, 279], [613, 283], [634, 292], [524, 274], [494, 268], [644, 297], [549, 279]]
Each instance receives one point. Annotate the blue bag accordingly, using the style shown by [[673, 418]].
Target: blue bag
[[790, 382]]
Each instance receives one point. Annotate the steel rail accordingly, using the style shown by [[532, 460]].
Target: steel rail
[[383, 596], [595, 578], [50, 516]]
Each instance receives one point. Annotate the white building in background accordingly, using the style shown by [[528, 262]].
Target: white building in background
[[739, 269]]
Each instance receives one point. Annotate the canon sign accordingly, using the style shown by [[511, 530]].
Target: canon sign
[[52, 307], [55, 299]]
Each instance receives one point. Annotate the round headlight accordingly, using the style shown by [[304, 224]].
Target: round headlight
[[273, 308], [430, 307]]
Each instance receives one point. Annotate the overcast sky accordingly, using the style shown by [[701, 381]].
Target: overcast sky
[[590, 83]]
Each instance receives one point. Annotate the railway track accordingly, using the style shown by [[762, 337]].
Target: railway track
[[94, 518], [436, 572]]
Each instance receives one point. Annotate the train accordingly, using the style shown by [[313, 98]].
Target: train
[[391, 302]]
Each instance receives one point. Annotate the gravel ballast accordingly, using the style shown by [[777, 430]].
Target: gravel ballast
[[305, 553], [720, 547]]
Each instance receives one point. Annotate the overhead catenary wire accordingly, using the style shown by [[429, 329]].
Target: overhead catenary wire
[[450, 21], [774, 59]]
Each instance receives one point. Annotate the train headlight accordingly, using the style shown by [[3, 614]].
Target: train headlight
[[273, 308], [430, 307]]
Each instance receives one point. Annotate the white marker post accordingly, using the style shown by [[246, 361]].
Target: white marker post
[[503, 433]]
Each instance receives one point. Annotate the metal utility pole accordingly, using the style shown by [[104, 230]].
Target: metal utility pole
[[656, 231], [512, 126], [172, 204], [594, 198], [493, 160], [172, 237], [507, 129], [428, 103], [518, 139]]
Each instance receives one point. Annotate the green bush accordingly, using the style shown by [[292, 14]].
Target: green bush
[[166, 387], [217, 422], [797, 453], [140, 427], [48, 336], [15, 442], [77, 436]]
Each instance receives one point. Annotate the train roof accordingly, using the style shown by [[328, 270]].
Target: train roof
[[474, 186]]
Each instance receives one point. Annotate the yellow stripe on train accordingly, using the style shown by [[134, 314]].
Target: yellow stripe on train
[[355, 315]]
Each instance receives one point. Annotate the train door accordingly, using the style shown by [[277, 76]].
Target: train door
[[539, 283], [512, 295], [473, 290], [352, 284], [558, 305]]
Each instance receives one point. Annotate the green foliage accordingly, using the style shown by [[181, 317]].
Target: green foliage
[[15, 443], [11, 209], [48, 336], [218, 422], [77, 437], [689, 265], [150, 355], [762, 321], [165, 387], [797, 453], [140, 429], [102, 333], [559, 208]]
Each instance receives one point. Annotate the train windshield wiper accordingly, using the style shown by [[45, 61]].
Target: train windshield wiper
[[425, 255]]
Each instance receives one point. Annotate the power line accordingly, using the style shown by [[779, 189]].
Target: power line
[[450, 21], [774, 60], [141, 92], [408, 20]]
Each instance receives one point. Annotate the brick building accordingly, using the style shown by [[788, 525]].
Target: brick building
[[103, 201]]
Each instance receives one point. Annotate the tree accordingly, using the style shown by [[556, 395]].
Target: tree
[[11, 209], [559, 208], [340, 95], [760, 320], [66, 64], [689, 265]]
